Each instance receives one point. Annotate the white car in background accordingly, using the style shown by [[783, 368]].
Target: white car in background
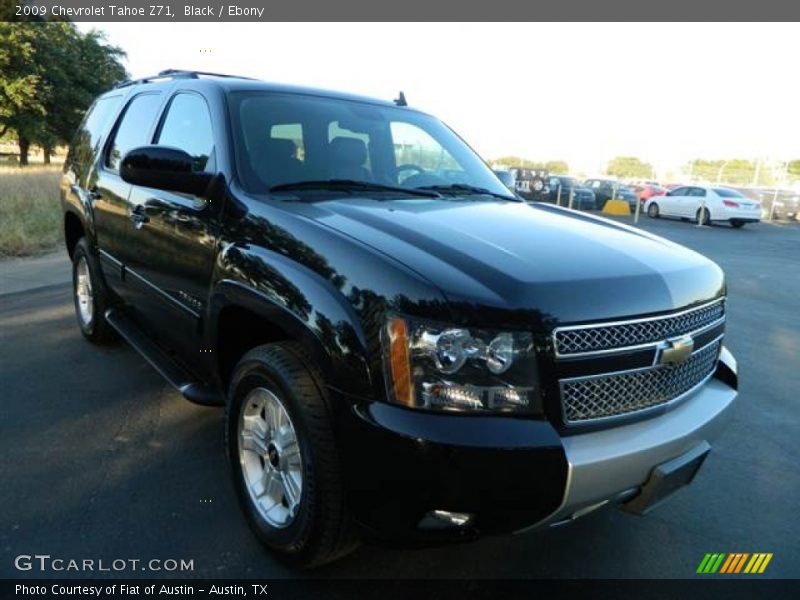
[[705, 204]]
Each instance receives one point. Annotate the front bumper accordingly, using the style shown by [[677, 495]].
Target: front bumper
[[613, 464], [510, 474]]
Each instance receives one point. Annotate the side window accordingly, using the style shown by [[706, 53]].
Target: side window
[[97, 119], [187, 126], [697, 192], [132, 130], [84, 144]]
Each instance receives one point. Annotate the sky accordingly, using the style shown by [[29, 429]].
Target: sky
[[579, 92]]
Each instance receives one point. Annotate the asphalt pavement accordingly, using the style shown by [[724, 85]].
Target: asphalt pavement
[[103, 460]]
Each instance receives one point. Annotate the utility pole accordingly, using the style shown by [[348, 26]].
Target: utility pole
[[719, 173]]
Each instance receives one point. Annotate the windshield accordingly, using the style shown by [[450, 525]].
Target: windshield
[[285, 139], [728, 193]]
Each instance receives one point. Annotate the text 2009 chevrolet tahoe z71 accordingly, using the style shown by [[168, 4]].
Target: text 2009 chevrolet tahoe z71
[[404, 348]]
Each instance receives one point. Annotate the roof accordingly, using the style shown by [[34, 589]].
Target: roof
[[234, 83]]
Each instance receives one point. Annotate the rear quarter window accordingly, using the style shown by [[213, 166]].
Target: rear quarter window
[[726, 193], [89, 135]]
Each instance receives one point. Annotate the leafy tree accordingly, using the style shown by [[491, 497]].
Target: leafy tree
[[793, 168], [514, 161], [49, 75], [557, 167], [737, 171], [629, 167], [21, 87]]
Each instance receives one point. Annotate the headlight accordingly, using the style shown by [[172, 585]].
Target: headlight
[[432, 366]]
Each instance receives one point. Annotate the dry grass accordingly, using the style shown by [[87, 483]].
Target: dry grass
[[30, 215]]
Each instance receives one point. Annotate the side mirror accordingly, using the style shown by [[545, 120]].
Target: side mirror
[[507, 178], [164, 168]]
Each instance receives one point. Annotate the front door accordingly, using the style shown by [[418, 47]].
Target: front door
[[176, 235]]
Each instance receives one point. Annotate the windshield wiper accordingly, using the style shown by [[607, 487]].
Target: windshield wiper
[[466, 189], [351, 185]]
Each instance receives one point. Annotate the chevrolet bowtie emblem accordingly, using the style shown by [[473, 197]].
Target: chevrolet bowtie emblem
[[674, 350]]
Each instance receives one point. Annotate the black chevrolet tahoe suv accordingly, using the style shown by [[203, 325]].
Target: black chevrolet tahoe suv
[[406, 350]]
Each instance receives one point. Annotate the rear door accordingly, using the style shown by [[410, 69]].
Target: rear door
[[175, 237], [695, 197], [112, 212]]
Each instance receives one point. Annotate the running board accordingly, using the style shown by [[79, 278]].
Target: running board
[[192, 389]]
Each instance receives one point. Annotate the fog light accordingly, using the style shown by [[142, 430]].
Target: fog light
[[444, 519]]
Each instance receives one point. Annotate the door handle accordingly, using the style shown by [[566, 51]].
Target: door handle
[[138, 217]]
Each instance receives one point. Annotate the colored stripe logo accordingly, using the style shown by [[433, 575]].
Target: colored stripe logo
[[733, 563]]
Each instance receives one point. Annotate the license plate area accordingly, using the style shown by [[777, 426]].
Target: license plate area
[[667, 478]]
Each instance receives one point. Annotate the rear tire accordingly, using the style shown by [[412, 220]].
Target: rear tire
[[90, 295], [652, 211], [296, 507], [703, 217]]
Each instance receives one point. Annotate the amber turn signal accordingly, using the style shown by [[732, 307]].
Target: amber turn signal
[[399, 363]]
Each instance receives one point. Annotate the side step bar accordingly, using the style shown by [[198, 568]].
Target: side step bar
[[192, 389]]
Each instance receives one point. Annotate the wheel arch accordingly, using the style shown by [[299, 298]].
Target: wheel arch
[[242, 317], [73, 231]]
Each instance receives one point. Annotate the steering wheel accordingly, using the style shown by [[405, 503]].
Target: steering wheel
[[410, 167]]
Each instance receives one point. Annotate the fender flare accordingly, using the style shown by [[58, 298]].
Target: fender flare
[[350, 376]]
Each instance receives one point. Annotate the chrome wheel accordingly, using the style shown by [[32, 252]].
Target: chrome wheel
[[269, 454], [83, 292]]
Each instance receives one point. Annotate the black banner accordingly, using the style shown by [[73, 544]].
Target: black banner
[[385, 589], [408, 10]]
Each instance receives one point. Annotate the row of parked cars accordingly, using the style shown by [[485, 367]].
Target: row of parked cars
[[703, 204]]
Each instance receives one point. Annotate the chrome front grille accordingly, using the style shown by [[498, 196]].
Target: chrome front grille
[[610, 395], [611, 336]]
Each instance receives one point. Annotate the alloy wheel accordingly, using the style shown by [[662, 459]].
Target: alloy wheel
[[269, 454], [83, 292]]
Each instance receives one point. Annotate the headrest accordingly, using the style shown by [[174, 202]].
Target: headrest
[[349, 151], [277, 147]]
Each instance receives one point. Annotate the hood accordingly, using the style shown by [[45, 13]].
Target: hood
[[494, 260]]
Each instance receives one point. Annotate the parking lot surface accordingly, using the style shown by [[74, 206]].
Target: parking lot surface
[[101, 459]]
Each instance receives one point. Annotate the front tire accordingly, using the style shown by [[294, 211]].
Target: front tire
[[284, 459], [737, 224], [90, 295], [652, 211]]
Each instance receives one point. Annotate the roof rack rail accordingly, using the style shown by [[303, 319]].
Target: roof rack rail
[[178, 74]]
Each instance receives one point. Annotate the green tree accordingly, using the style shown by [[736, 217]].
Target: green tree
[[736, 171], [49, 75], [629, 167], [793, 168], [557, 167], [21, 87], [515, 161]]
